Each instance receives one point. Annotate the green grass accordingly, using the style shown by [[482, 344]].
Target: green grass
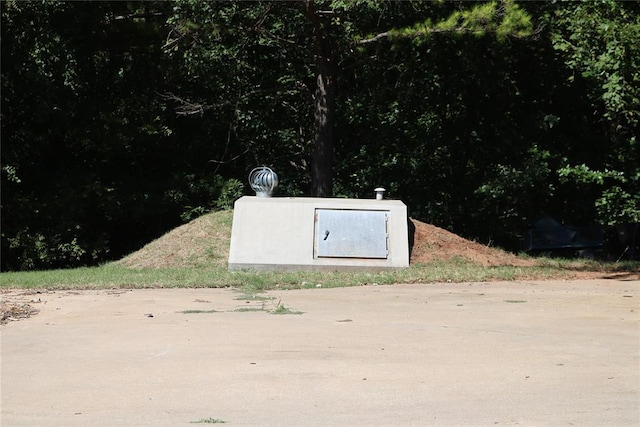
[[283, 309], [248, 309], [198, 311], [207, 268], [112, 276], [208, 421]]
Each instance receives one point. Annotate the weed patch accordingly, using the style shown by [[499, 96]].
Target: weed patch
[[283, 309], [248, 309], [198, 311], [208, 421]]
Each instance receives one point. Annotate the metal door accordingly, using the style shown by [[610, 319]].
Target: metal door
[[341, 233]]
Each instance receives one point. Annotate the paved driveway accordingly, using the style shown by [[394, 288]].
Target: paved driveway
[[486, 354]]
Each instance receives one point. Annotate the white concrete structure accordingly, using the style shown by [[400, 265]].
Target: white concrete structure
[[300, 233]]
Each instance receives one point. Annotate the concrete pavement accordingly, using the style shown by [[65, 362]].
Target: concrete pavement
[[484, 354]]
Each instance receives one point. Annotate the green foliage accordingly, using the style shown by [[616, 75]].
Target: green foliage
[[617, 206], [231, 191], [95, 162], [583, 174], [504, 187], [36, 250], [199, 196], [121, 120], [11, 174], [196, 195], [600, 43], [504, 19]]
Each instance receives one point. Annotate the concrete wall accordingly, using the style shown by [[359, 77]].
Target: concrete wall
[[277, 233]]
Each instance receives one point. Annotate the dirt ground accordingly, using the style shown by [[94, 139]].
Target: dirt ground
[[434, 243], [190, 245], [14, 310], [450, 354]]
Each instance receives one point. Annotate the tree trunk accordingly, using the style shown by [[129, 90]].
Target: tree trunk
[[324, 108], [324, 111]]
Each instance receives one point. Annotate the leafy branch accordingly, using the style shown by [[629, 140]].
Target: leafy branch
[[504, 19]]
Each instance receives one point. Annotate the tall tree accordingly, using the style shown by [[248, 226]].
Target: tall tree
[[331, 31], [324, 102]]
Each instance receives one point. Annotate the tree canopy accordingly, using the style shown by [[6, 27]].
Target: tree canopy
[[121, 120]]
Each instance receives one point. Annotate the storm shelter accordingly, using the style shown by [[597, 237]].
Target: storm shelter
[[299, 233]]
